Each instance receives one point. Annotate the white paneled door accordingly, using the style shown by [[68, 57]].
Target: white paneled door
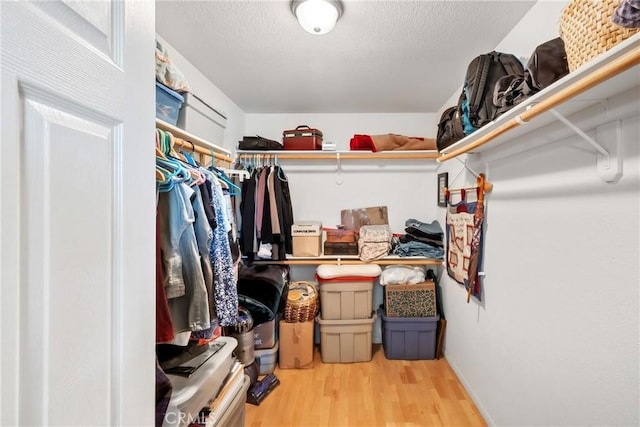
[[77, 207]]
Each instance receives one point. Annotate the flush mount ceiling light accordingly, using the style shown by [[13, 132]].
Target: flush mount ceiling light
[[317, 16]]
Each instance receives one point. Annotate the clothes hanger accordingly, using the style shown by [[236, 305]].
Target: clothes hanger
[[234, 190], [189, 156], [159, 152], [167, 171], [194, 176], [280, 172]]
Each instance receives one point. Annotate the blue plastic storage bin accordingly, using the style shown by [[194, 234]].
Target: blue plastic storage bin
[[168, 103], [409, 338]]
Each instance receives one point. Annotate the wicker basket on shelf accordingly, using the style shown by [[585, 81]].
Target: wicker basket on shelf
[[587, 30], [303, 302]]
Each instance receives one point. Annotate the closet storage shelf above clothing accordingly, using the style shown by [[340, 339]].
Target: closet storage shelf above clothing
[[343, 155], [200, 145], [616, 72], [351, 260]]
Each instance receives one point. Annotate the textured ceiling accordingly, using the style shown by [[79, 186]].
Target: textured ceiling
[[382, 56]]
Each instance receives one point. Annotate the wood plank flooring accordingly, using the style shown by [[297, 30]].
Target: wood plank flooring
[[377, 393]]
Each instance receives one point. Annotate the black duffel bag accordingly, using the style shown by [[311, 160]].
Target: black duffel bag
[[258, 143]]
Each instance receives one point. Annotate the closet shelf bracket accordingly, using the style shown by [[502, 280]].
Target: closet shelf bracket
[[608, 144], [339, 179]]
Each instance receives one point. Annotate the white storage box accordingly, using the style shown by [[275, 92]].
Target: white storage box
[[307, 238], [199, 118]]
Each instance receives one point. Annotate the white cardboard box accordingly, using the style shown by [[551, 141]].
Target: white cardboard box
[[307, 238]]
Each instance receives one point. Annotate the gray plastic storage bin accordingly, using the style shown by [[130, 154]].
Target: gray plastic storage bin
[[345, 341], [348, 299], [266, 359], [199, 118], [409, 338]]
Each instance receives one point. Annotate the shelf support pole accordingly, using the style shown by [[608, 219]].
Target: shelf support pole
[[339, 179]]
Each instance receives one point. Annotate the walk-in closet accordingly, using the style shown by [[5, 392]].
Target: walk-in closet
[[415, 213]]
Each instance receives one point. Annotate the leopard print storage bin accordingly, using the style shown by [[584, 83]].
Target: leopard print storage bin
[[413, 300]]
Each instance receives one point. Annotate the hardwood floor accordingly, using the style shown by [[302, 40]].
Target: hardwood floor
[[377, 393]]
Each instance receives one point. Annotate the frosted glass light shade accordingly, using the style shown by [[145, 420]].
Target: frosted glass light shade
[[317, 16]]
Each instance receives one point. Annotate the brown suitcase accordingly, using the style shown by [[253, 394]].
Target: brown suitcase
[[302, 138], [340, 248], [341, 235]]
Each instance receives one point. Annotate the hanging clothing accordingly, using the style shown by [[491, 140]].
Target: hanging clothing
[[164, 325], [266, 215], [189, 311], [247, 212], [225, 279], [204, 237]]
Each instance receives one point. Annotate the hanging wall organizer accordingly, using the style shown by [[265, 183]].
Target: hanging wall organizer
[[465, 235]]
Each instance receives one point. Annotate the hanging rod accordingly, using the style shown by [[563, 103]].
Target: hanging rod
[[352, 260], [350, 155], [185, 140], [607, 71]]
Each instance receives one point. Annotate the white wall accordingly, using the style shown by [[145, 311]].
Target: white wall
[[406, 187], [555, 340], [210, 93]]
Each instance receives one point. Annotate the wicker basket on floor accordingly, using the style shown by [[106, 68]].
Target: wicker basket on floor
[[303, 302], [587, 30]]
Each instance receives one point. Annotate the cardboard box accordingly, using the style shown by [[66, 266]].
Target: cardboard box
[[307, 238], [353, 219], [296, 345]]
